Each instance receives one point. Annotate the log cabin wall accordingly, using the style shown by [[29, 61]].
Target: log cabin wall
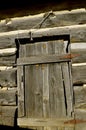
[[10, 9], [72, 23]]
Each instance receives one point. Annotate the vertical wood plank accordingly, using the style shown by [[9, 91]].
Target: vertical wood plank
[[33, 85], [57, 103], [45, 83], [66, 71], [67, 81], [29, 89], [45, 71], [29, 83], [20, 84], [38, 84], [67, 87], [57, 100]]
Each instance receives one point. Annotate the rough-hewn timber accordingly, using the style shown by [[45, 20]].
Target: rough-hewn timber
[[8, 115], [8, 97], [71, 23], [79, 74], [8, 78], [44, 20], [77, 33]]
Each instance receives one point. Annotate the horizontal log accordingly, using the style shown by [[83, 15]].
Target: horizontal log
[[77, 33], [80, 115], [78, 46], [8, 78], [7, 52], [45, 122], [8, 97], [79, 74], [8, 60], [48, 19], [79, 58], [7, 42], [78, 49], [43, 59], [80, 96], [5, 67], [8, 115], [8, 56]]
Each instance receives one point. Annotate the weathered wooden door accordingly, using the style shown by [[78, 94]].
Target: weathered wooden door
[[45, 95]]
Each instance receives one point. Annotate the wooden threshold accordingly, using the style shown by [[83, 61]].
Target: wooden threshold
[[50, 122]]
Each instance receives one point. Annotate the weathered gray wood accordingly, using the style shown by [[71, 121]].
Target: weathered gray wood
[[7, 41], [43, 59], [55, 19], [10, 58], [7, 115], [44, 82], [78, 46], [20, 86], [34, 96], [66, 73], [8, 78], [50, 122], [69, 93], [67, 87], [7, 56], [79, 58], [45, 75], [79, 74], [80, 116], [57, 98], [29, 77], [8, 61], [7, 52], [29, 87], [39, 84], [77, 34], [46, 87], [34, 104], [79, 50], [80, 97], [8, 97]]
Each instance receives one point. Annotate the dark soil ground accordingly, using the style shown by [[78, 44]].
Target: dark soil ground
[[12, 128]]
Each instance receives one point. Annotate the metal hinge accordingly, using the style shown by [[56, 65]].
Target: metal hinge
[[75, 121]]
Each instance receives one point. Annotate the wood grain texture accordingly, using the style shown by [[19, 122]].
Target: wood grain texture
[[8, 78], [55, 19], [8, 97], [7, 115], [8, 56], [77, 34], [80, 97], [56, 122], [44, 83], [80, 114], [54, 58], [79, 74], [34, 88], [20, 84], [20, 90]]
